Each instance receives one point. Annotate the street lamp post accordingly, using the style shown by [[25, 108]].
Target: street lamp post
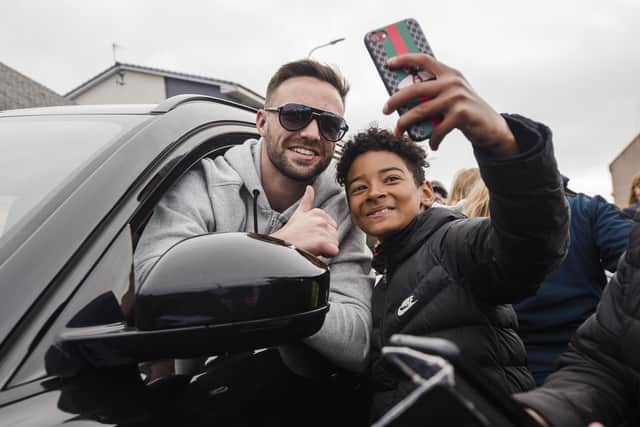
[[323, 45]]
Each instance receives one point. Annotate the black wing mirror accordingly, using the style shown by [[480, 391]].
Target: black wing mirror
[[208, 295]]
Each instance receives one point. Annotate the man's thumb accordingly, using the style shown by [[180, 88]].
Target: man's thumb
[[306, 202]]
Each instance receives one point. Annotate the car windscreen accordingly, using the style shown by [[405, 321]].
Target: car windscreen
[[38, 153]]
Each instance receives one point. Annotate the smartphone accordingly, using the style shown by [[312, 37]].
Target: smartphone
[[383, 43], [434, 400], [465, 396]]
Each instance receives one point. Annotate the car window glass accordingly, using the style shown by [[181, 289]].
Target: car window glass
[[37, 153]]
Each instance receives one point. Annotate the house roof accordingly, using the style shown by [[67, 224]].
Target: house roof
[[19, 91], [229, 88]]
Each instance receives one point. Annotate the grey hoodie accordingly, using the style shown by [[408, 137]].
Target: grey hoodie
[[218, 195]]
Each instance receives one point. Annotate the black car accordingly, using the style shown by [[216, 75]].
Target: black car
[[79, 340]]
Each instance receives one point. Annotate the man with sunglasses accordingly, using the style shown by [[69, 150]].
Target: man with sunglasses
[[282, 185]]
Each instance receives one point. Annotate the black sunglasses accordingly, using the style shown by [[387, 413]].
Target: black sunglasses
[[294, 117]]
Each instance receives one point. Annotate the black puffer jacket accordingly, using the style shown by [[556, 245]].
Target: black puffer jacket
[[448, 276], [598, 378]]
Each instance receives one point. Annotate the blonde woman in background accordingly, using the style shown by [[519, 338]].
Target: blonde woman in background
[[634, 197], [462, 184], [477, 201]]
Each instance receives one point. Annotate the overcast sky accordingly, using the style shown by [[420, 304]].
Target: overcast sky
[[574, 65]]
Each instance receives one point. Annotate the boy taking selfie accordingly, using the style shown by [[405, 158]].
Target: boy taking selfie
[[445, 275]]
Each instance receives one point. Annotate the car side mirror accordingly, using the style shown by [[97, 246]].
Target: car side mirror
[[207, 295]]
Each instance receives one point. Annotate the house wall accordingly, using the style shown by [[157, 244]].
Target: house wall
[[623, 169], [138, 88]]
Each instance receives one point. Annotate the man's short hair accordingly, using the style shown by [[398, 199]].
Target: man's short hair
[[307, 68], [376, 139], [439, 187]]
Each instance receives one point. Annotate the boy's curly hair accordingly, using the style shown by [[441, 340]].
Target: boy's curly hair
[[377, 139]]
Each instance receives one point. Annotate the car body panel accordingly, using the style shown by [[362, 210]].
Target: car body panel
[[119, 397]]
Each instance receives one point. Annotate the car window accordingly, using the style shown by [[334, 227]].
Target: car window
[[157, 370], [53, 147]]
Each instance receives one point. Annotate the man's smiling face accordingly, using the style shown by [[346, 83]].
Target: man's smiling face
[[303, 154]]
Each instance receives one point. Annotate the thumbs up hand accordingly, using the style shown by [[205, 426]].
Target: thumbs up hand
[[311, 229], [306, 202]]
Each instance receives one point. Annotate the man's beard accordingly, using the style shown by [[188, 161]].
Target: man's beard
[[276, 153]]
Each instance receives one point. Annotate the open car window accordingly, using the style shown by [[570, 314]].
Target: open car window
[[53, 147]]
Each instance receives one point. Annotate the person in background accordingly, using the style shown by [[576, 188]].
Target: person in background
[[445, 275], [439, 192], [462, 184], [569, 295], [598, 379], [477, 201], [634, 198]]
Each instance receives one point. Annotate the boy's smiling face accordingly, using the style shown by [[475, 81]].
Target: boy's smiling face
[[383, 195]]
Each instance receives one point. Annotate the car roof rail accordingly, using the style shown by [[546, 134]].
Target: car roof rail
[[173, 102]]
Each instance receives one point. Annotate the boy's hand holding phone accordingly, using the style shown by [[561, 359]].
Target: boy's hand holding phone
[[454, 101]]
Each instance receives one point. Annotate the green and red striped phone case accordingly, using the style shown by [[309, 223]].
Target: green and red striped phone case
[[392, 40]]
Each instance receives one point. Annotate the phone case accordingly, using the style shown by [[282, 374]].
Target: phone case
[[404, 36]]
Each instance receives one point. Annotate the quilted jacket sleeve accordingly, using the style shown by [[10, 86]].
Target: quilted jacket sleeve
[[504, 258]]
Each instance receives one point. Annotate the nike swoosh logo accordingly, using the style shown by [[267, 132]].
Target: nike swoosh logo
[[406, 305]]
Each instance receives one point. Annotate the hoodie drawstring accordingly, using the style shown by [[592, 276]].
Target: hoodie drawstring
[[256, 193]]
